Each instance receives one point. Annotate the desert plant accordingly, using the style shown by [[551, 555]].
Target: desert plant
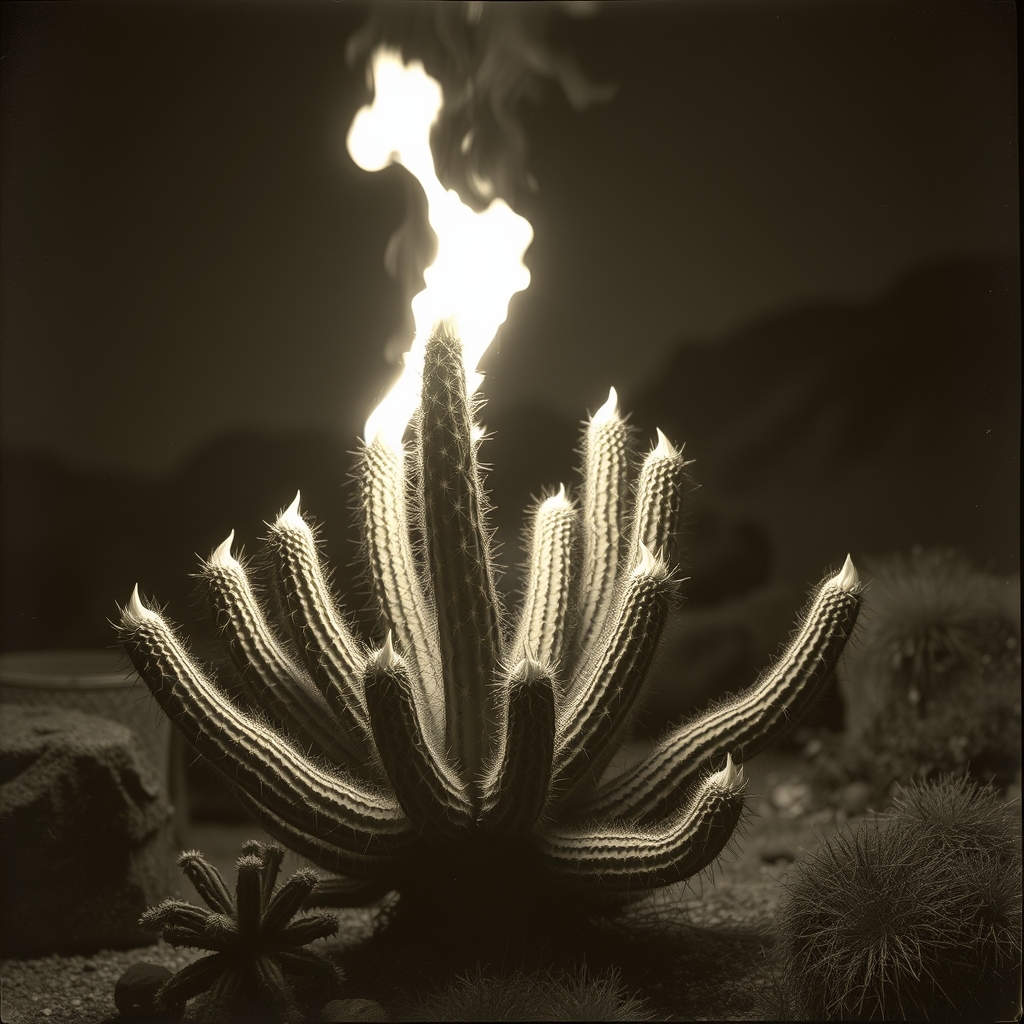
[[579, 995], [461, 762], [256, 945], [915, 915], [937, 664]]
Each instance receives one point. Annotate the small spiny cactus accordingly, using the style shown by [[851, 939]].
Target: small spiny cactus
[[915, 915], [932, 685], [256, 946]]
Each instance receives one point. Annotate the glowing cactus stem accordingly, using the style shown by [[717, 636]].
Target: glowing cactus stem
[[274, 682], [516, 789], [612, 677], [363, 828], [659, 501], [334, 657], [458, 556], [623, 857], [747, 723], [544, 618], [408, 613], [605, 488], [429, 791]]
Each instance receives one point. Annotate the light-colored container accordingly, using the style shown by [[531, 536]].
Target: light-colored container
[[96, 682]]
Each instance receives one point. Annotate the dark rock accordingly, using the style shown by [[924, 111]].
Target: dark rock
[[338, 1011], [136, 989], [86, 833]]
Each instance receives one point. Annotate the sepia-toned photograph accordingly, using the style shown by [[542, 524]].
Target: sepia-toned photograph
[[509, 511]]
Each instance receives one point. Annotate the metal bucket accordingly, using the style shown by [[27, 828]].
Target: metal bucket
[[96, 682]]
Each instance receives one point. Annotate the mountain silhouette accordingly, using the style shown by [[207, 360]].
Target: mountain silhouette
[[816, 431], [864, 427]]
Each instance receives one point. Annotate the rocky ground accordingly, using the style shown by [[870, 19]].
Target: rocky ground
[[731, 912]]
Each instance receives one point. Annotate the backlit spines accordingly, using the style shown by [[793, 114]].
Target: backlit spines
[[659, 498], [427, 787], [747, 723], [622, 857], [612, 675], [401, 595], [330, 650], [545, 616], [516, 788], [458, 555], [273, 681], [365, 824], [605, 489]]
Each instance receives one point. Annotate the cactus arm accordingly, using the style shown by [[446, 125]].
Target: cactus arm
[[374, 869], [365, 823], [306, 929], [429, 790], [516, 788], [273, 681], [458, 555], [605, 487], [401, 596], [333, 656], [659, 501], [747, 723], [192, 980], [287, 901], [543, 621], [612, 677], [625, 856]]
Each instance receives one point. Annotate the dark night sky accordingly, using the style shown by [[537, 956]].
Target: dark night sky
[[187, 248]]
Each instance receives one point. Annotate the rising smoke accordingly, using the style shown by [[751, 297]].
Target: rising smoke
[[488, 58]]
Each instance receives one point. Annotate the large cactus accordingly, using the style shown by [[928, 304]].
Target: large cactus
[[467, 733]]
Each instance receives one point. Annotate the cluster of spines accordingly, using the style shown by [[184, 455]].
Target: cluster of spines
[[475, 729]]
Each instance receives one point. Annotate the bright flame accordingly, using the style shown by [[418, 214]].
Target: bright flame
[[479, 264]]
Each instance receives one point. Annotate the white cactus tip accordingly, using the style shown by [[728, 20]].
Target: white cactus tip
[[291, 515], [222, 557], [649, 564], [664, 449], [555, 502], [847, 578], [731, 776], [135, 612], [529, 668], [387, 657], [608, 412]]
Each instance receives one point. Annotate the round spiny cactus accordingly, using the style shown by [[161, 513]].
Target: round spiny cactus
[[466, 754], [256, 946], [932, 685], [915, 915]]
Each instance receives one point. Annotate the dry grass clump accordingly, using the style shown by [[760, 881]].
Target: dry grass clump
[[931, 680], [578, 995], [915, 915]]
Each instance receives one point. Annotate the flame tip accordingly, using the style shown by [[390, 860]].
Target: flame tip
[[479, 262]]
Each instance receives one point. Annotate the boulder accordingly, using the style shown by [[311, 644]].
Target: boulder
[[85, 833]]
